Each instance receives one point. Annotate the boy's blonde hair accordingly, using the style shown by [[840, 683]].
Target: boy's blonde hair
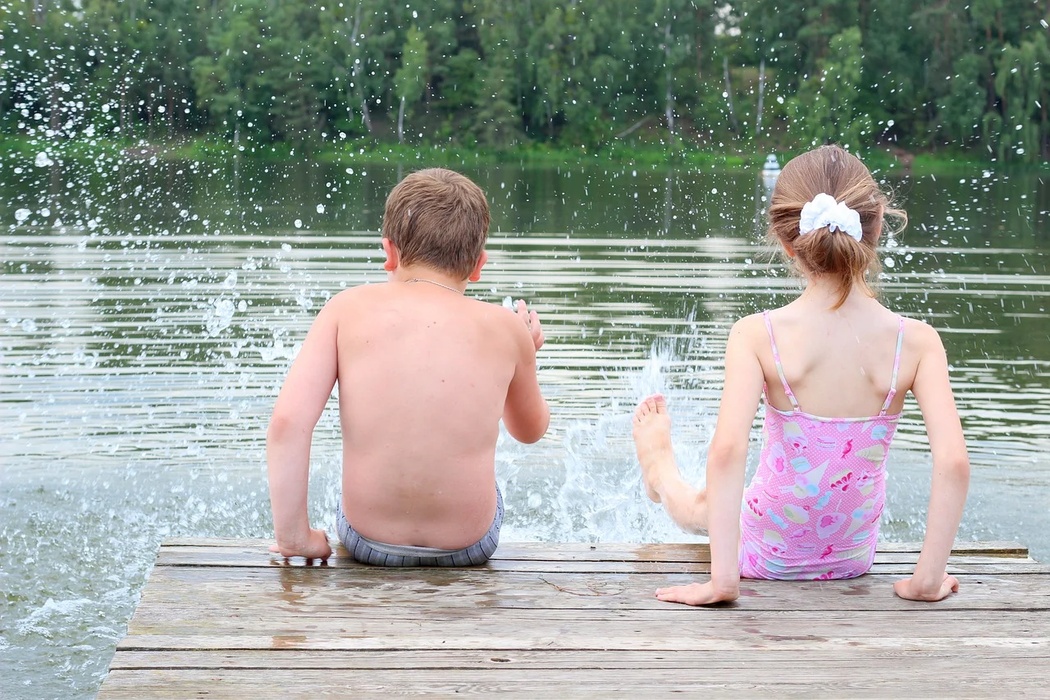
[[437, 218], [825, 253]]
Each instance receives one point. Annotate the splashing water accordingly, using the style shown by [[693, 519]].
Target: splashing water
[[150, 313]]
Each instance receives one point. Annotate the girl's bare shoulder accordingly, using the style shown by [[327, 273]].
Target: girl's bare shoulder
[[749, 324], [749, 331], [920, 335]]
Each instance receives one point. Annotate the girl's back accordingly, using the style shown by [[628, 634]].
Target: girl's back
[[838, 363], [813, 508]]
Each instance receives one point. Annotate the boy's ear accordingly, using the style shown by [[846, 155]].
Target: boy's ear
[[475, 275], [393, 256]]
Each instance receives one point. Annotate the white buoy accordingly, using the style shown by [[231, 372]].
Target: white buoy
[[770, 171]]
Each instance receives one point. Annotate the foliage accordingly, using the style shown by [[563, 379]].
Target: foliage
[[588, 75], [825, 108]]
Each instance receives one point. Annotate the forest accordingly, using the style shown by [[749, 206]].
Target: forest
[[959, 76]]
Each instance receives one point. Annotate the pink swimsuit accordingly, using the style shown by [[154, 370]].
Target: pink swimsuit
[[812, 509]]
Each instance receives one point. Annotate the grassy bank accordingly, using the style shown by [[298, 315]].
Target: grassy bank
[[880, 159]]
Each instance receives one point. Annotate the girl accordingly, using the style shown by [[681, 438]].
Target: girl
[[833, 367]]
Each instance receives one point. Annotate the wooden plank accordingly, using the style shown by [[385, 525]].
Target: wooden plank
[[959, 679], [540, 632], [888, 562], [223, 618], [988, 549], [671, 659], [252, 621], [609, 551], [559, 637], [322, 592]]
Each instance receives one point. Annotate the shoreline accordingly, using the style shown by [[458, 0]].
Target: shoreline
[[885, 158]]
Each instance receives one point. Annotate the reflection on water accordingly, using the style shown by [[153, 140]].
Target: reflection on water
[[149, 314]]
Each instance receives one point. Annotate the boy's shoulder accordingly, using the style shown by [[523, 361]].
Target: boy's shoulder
[[349, 294], [389, 295], [355, 302]]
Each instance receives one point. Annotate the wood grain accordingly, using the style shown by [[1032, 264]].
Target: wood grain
[[225, 618]]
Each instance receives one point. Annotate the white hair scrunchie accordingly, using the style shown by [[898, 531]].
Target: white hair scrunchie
[[823, 211]]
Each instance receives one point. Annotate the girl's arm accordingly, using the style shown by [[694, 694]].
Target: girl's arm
[[726, 463], [951, 473]]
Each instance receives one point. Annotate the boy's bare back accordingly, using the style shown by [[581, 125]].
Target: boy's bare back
[[424, 374]]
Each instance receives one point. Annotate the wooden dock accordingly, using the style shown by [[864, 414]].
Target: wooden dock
[[226, 619]]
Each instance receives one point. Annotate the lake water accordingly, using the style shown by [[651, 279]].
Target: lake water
[[149, 312]]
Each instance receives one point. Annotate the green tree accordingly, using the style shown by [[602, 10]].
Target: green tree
[[411, 78], [42, 74], [825, 107], [354, 45], [966, 73], [498, 108], [895, 92], [226, 77], [961, 111], [294, 72], [671, 21], [1021, 86]]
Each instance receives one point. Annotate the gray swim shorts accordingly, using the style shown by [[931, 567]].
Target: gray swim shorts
[[369, 551]]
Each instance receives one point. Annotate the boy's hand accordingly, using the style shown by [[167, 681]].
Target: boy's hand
[[316, 547], [532, 322], [909, 589]]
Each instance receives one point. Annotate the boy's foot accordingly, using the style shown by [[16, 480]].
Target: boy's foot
[[652, 440]]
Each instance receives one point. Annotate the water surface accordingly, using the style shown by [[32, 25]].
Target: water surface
[[150, 310]]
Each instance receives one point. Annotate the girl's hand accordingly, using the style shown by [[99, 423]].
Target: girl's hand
[[909, 589], [698, 594], [315, 547]]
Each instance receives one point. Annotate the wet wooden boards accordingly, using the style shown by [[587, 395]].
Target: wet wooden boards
[[226, 619]]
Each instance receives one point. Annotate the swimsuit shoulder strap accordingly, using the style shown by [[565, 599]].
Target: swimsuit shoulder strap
[[896, 367], [776, 361]]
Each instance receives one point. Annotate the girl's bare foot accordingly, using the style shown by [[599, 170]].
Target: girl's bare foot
[[652, 440]]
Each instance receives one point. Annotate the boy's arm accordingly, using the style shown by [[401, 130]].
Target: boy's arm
[[525, 411], [951, 473], [299, 405]]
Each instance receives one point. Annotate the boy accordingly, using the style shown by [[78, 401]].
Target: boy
[[425, 374]]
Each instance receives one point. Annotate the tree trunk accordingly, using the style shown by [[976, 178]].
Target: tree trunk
[[357, 68], [761, 92], [401, 122], [123, 103], [1044, 133], [668, 93], [669, 113], [365, 116], [55, 120], [729, 95]]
